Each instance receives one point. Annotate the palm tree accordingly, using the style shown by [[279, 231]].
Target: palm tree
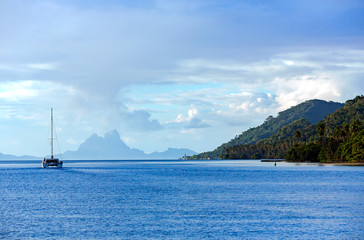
[[321, 130], [355, 126], [297, 135], [338, 133]]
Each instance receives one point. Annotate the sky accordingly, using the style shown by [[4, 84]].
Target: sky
[[182, 74]]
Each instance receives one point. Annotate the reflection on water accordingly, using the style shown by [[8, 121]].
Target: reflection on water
[[180, 199]]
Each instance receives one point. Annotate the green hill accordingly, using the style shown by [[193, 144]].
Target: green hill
[[312, 110], [337, 138]]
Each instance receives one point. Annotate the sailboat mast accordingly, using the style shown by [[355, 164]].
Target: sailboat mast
[[52, 133]]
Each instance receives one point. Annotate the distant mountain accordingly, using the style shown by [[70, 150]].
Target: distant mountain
[[108, 147], [313, 111], [13, 157], [171, 153], [111, 147]]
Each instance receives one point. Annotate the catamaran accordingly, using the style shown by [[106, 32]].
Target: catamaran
[[52, 162]]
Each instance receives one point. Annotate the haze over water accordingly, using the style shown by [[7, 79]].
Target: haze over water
[[181, 200]]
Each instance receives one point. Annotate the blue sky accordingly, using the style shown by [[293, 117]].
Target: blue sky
[[184, 74]]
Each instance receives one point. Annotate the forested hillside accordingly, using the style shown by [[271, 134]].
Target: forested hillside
[[312, 110], [339, 138]]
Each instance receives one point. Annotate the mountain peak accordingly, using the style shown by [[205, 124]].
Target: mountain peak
[[112, 147]]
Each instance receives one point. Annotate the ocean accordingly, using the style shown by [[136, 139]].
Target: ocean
[[241, 199]]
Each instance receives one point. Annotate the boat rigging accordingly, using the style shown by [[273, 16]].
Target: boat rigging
[[52, 162]]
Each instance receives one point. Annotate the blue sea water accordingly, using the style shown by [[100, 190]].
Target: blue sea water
[[180, 200]]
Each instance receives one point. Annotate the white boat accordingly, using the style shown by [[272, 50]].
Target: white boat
[[52, 162]]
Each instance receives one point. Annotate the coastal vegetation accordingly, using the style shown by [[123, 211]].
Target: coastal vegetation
[[301, 133], [345, 145], [339, 137]]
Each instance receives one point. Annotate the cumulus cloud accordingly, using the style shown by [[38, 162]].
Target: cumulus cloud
[[254, 90], [190, 121], [283, 72], [292, 91], [246, 108], [191, 115]]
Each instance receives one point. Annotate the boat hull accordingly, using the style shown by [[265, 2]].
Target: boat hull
[[52, 162]]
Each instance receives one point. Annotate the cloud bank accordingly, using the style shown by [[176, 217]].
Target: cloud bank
[[169, 73]]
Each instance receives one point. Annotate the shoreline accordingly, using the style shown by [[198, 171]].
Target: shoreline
[[317, 163], [342, 164], [359, 164]]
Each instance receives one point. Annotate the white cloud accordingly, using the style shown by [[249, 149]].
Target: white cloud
[[292, 91], [292, 76], [288, 62], [35, 92], [190, 115], [190, 121], [246, 108], [42, 66], [15, 91]]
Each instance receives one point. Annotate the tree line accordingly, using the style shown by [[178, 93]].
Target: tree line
[[345, 145]]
